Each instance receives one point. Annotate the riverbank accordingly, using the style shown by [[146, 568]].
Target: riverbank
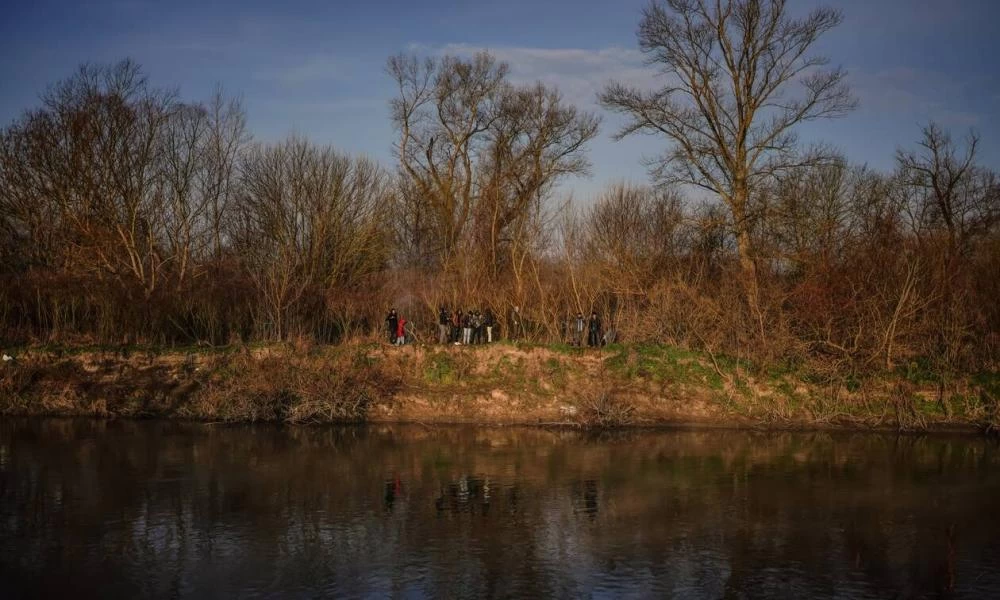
[[498, 384]]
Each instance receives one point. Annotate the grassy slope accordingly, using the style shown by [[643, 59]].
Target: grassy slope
[[497, 384]]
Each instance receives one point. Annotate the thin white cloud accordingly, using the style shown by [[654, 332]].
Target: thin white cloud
[[578, 73]]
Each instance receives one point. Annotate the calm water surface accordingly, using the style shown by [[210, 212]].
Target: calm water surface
[[153, 510]]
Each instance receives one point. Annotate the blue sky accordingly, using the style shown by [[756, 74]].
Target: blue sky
[[316, 68]]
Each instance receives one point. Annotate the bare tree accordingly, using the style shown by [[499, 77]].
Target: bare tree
[[806, 216], [947, 188], [183, 209], [634, 231], [308, 219], [442, 110], [218, 181], [30, 221], [96, 153], [951, 201], [200, 148], [536, 141], [478, 155], [725, 105]]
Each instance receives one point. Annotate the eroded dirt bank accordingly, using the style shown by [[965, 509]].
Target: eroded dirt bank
[[496, 384]]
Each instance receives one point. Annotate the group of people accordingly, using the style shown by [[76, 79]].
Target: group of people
[[472, 327], [396, 326], [592, 326], [475, 327]]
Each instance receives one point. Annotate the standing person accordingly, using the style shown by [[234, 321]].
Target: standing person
[[609, 335], [515, 323], [594, 330], [467, 328], [489, 326], [480, 328], [392, 324], [401, 331], [398, 338], [444, 320], [456, 326], [578, 330]]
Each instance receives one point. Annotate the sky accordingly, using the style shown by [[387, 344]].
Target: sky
[[316, 68]]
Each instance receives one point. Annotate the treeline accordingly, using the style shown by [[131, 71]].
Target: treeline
[[128, 215]]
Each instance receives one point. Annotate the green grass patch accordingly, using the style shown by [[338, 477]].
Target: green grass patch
[[557, 372], [661, 363], [619, 361], [566, 349], [553, 365], [920, 371], [784, 368], [989, 381], [440, 368], [507, 371], [785, 388]]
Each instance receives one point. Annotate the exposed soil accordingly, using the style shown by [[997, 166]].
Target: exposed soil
[[499, 384]]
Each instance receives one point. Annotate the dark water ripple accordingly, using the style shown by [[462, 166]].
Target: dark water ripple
[[165, 510]]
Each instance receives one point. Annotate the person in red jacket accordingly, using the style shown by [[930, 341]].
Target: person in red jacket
[[401, 331]]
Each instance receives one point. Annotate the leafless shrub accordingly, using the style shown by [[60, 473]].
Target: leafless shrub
[[606, 409]]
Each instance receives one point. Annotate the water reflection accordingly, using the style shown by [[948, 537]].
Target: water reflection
[[109, 509], [584, 496]]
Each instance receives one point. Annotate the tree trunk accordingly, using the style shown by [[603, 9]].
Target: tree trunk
[[744, 249]]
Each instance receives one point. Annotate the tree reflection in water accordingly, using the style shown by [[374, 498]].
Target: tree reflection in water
[[107, 509]]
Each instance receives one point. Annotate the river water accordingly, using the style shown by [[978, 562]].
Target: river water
[[155, 510]]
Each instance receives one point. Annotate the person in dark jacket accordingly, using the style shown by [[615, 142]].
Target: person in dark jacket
[[467, 328], [594, 330], [444, 322], [456, 326], [477, 328], [489, 321], [392, 325]]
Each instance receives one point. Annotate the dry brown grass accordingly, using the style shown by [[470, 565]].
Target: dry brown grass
[[291, 387], [500, 383]]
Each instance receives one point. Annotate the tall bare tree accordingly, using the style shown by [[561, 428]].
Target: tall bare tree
[[726, 107], [536, 141], [947, 188], [226, 138], [477, 154], [94, 153], [309, 218], [951, 201], [635, 232], [201, 146], [442, 111]]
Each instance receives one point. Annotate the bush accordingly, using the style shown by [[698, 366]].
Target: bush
[[607, 409]]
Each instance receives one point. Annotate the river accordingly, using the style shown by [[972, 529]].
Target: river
[[108, 509]]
